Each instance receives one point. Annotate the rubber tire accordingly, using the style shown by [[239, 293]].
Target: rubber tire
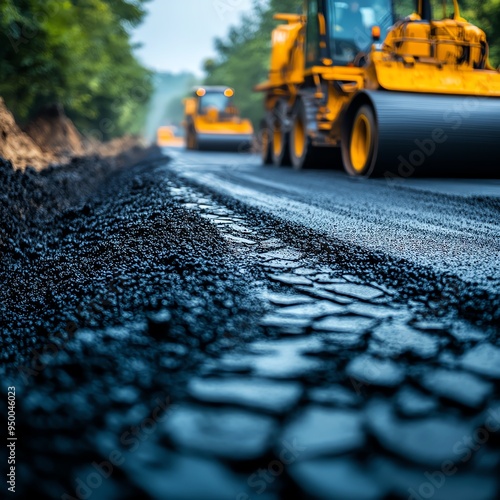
[[265, 140], [280, 155], [312, 157], [191, 140], [306, 160], [368, 169]]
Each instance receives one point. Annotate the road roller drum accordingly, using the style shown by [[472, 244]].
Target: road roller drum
[[405, 134]]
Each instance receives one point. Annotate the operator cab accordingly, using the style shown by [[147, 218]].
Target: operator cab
[[347, 30]]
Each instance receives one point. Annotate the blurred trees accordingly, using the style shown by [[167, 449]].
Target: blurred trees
[[166, 107], [242, 58], [78, 53], [486, 15]]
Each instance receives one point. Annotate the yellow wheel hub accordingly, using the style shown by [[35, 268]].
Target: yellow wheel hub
[[299, 138], [361, 141]]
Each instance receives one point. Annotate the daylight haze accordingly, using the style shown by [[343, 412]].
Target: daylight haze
[[180, 38]]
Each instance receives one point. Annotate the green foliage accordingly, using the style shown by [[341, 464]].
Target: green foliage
[[78, 53], [242, 59], [486, 15], [243, 56]]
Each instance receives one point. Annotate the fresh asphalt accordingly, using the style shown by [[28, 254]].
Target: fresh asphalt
[[449, 225], [228, 331]]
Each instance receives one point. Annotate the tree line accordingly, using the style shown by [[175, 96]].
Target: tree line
[[77, 53]]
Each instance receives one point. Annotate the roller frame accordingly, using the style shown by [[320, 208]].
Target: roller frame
[[224, 142]]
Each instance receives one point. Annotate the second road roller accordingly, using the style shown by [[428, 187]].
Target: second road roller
[[212, 121], [382, 88]]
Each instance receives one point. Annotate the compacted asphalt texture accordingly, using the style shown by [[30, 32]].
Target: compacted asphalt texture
[[204, 327]]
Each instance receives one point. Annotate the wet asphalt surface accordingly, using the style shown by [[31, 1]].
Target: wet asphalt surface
[[207, 328]]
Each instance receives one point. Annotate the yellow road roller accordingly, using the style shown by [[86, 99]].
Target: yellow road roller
[[382, 88], [212, 121]]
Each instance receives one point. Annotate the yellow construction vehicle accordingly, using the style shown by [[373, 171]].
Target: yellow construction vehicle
[[166, 137], [389, 90], [212, 121]]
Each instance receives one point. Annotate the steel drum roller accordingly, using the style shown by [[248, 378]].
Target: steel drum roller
[[224, 142], [433, 134]]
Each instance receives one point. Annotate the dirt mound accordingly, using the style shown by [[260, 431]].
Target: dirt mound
[[55, 133], [119, 145], [15, 145], [52, 138]]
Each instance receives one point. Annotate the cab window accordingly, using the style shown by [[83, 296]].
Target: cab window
[[312, 43], [351, 26], [214, 100]]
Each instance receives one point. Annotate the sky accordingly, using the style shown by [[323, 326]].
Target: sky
[[177, 35]]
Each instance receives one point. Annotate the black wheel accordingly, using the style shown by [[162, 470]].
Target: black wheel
[[302, 153], [280, 151], [359, 147], [191, 140], [265, 142], [300, 146]]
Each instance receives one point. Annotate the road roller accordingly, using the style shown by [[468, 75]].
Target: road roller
[[212, 121], [381, 88]]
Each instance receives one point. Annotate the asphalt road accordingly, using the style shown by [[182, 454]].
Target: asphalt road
[[449, 225], [234, 332]]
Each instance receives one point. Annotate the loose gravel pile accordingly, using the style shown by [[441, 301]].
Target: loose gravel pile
[[99, 263], [167, 345]]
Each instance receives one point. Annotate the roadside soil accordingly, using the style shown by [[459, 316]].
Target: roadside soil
[[52, 139]]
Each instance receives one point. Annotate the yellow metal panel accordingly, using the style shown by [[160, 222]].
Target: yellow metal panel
[[190, 106], [290, 18], [335, 72], [429, 78], [236, 126], [287, 57], [166, 137], [410, 38]]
